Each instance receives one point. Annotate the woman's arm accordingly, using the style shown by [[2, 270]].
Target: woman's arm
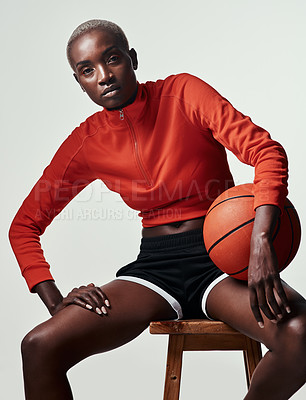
[[66, 176], [263, 277], [251, 144], [50, 295]]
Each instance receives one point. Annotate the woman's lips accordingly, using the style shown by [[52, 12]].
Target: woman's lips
[[111, 93]]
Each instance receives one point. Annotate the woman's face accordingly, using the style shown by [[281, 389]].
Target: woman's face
[[104, 69]]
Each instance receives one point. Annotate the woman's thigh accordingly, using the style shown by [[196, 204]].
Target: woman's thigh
[[229, 302], [75, 333]]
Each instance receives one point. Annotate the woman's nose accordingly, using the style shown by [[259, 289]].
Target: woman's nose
[[104, 75]]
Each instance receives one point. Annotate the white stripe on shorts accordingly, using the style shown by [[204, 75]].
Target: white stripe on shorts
[[208, 290], [171, 300]]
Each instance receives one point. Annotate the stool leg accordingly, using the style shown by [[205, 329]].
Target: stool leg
[[252, 355], [174, 367]]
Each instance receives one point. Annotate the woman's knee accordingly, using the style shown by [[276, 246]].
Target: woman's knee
[[37, 345], [31, 343], [291, 339], [295, 331]]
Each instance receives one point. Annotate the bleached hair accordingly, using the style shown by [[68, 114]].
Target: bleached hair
[[97, 24]]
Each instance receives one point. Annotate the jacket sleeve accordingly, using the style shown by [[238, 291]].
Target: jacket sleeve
[[251, 144], [62, 179]]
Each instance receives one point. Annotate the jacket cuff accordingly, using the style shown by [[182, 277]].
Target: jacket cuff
[[35, 275], [268, 195]]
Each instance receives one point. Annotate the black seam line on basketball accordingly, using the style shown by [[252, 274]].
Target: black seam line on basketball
[[242, 270], [292, 239], [230, 198], [229, 233]]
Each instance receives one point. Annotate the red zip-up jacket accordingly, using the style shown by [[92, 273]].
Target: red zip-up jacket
[[164, 154]]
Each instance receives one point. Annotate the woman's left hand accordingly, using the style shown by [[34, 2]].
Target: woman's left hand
[[267, 294]]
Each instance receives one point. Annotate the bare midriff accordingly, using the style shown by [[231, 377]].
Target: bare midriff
[[174, 227]]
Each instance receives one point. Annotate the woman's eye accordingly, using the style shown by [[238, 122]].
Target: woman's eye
[[113, 59], [87, 71]]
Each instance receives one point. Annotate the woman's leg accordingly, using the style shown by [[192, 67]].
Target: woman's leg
[[74, 333], [282, 371]]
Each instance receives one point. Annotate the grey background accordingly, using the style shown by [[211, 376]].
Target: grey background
[[251, 52]]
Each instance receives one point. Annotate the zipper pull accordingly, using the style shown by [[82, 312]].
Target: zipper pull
[[121, 114]]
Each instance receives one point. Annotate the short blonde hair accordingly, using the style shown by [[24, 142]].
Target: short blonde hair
[[97, 24]]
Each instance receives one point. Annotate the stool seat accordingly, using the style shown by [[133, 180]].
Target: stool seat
[[201, 335]]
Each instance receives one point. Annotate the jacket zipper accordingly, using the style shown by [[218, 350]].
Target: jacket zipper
[[139, 163]]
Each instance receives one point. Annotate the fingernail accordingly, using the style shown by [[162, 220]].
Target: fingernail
[[261, 325], [107, 303], [280, 316], [274, 321], [288, 309], [88, 306], [103, 310], [98, 311]]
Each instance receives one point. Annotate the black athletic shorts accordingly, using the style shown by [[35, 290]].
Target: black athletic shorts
[[178, 268]]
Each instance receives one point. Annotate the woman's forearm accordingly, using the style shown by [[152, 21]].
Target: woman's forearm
[[263, 274], [265, 221], [49, 294], [261, 240]]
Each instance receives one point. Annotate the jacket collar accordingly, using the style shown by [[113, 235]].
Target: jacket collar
[[133, 111]]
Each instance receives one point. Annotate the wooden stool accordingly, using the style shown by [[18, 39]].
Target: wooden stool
[[186, 335]]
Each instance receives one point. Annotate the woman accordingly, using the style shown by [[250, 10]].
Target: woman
[[161, 146]]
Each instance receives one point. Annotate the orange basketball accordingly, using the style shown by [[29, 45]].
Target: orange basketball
[[228, 226]]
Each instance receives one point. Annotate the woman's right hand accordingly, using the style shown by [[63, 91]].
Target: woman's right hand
[[91, 297]]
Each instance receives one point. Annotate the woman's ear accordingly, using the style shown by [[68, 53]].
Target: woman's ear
[[77, 79], [133, 55]]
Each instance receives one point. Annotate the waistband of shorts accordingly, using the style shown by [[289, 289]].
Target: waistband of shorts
[[182, 239]]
